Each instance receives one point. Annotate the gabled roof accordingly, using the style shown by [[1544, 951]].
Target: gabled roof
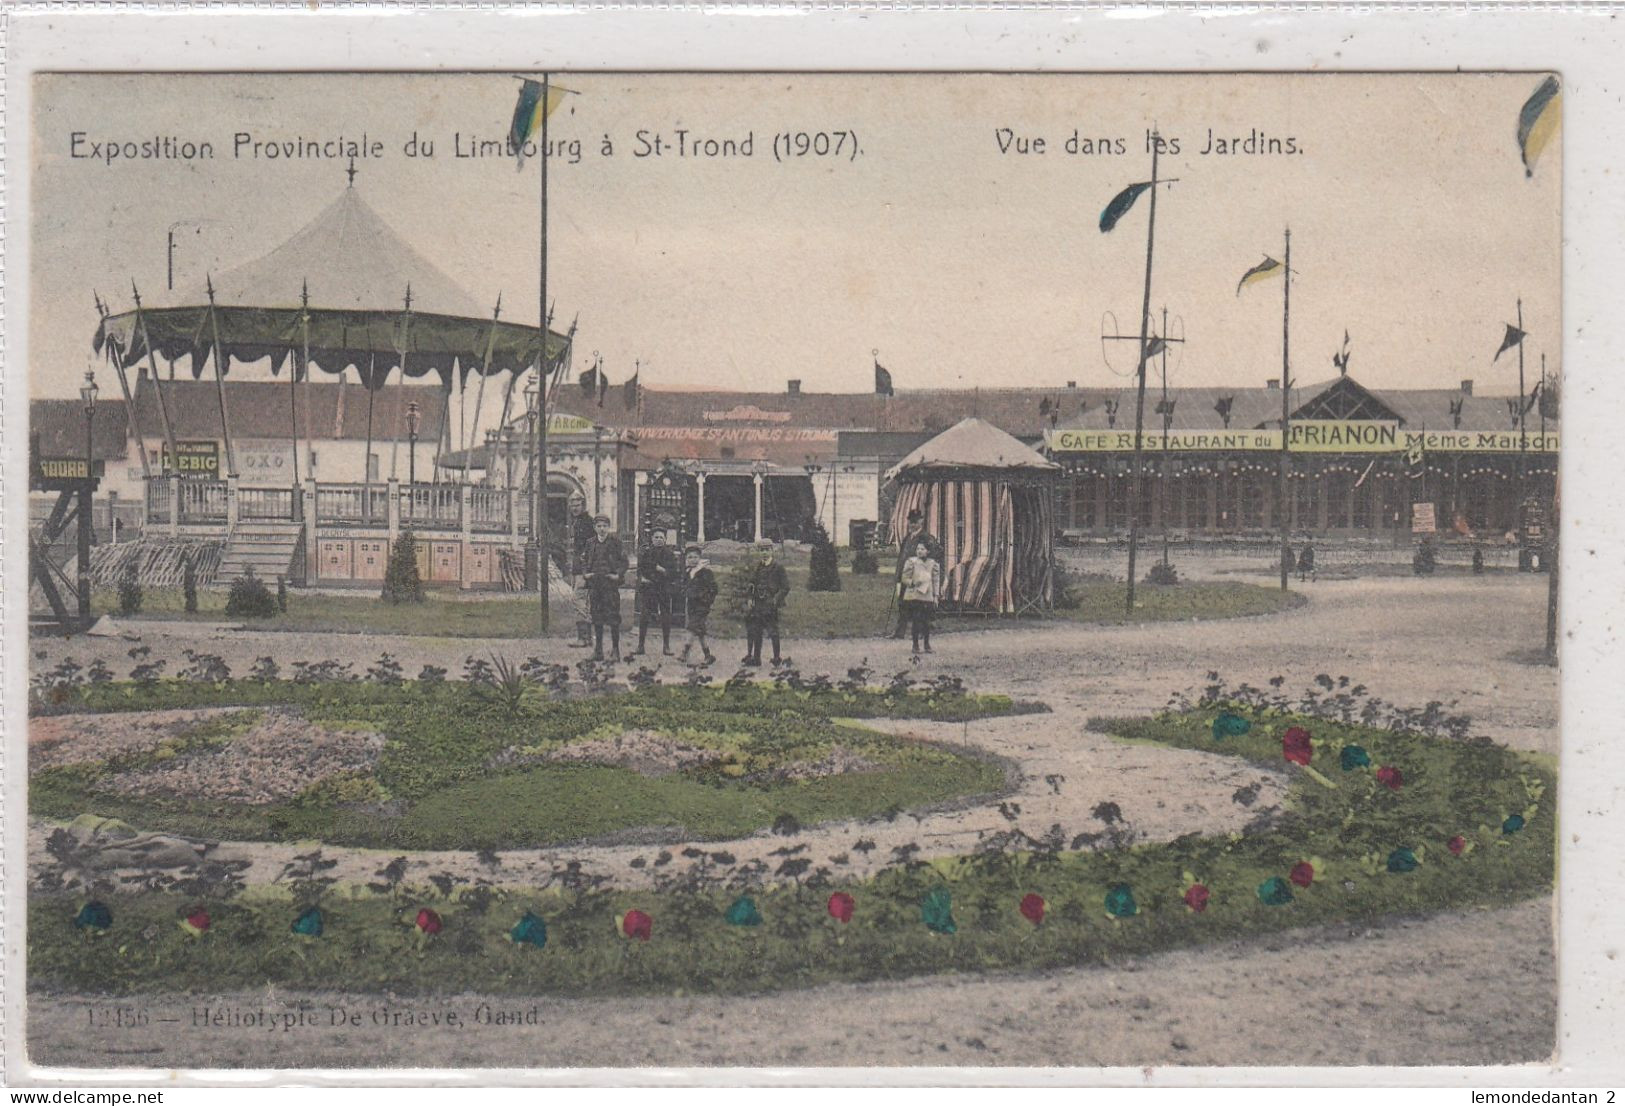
[[972, 443], [261, 409], [59, 427]]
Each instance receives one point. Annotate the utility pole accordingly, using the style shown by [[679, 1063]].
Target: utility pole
[[1139, 398], [1286, 408]]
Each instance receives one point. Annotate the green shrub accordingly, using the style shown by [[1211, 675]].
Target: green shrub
[[129, 592], [189, 584], [824, 571], [250, 598], [402, 584]]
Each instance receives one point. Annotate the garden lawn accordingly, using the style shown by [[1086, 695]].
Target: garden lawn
[[463, 768], [863, 608], [1354, 845]]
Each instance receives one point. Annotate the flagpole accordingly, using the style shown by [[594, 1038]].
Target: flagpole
[[1523, 441], [1286, 408], [1139, 400], [539, 501]]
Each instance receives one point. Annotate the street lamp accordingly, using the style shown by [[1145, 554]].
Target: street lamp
[[412, 416]]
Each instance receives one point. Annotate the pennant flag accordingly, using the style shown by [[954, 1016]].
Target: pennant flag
[[1514, 337], [528, 114], [1341, 358], [1043, 406], [1154, 347], [1537, 122], [882, 380], [1120, 205], [1269, 267], [603, 386], [1223, 405], [589, 381]]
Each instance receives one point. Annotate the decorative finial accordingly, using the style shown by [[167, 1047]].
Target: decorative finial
[[496, 312], [304, 293], [350, 172], [208, 283], [409, 295], [136, 292]]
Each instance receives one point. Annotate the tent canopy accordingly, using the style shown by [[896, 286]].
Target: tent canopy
[[975, 445], [357, 271]]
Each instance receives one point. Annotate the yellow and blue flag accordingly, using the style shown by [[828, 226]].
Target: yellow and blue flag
[[1269, 267], [535, 104], [1537, 122]]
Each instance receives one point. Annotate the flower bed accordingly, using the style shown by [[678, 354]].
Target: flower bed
[[1458, 823]]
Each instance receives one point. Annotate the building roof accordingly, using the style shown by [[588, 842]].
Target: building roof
[[59, 427], [1019, 411], [261, 409], [971, 443], [1343, 397]]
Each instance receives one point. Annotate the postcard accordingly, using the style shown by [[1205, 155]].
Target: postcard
[[565, 569]]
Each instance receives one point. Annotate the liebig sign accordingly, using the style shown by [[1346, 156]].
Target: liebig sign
[[197, 459], [1307, 436]]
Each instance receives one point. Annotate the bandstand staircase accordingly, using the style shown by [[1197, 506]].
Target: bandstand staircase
[[270, 548]]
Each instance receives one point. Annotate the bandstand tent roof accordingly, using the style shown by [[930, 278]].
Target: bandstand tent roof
[[986, 498], [971, 444], [357, 270]]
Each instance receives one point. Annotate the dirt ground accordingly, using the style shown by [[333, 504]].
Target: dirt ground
[[1474, 988]]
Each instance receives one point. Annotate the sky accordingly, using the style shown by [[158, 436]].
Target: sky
[[948, 244]]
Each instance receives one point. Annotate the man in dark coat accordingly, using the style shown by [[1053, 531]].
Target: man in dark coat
[[605, 570], [699, 593], [769, 587], [657, 573], [916, 537]]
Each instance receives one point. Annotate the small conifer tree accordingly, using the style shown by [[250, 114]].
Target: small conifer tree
[[402, 583]]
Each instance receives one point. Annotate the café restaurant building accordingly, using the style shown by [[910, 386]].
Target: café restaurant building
[[1362, 462]]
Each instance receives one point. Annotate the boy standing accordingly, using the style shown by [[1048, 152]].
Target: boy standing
[[657, 572], [699, 593], [769, 588], [604, 572]]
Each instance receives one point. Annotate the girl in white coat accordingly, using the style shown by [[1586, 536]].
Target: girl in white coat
[[918, 591]]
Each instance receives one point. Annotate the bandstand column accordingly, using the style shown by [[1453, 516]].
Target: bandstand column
[[699, 524], [756, 479]]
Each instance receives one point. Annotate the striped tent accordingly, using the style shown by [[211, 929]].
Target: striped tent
[[987, 498]]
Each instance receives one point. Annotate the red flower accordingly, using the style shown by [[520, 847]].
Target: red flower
[[1456, 844], [1295, 745], [1390, 777], [1032, 908], [1196, 897], [429, 922], [198, 919], [637, 924], [1302, 874], [841, 906]]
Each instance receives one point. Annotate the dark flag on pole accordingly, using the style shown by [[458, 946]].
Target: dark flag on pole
[[882, 380], [629, 391], [1154, 347], [589, 381], [1120, 205], [603, 386], [1514, 337], [528, 113]]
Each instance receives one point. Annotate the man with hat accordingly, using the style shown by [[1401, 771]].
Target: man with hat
[[768, 588], [917, 536], [657, 572], [604, 571]]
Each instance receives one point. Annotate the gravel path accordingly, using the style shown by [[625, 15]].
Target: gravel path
[[1469, 988]]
